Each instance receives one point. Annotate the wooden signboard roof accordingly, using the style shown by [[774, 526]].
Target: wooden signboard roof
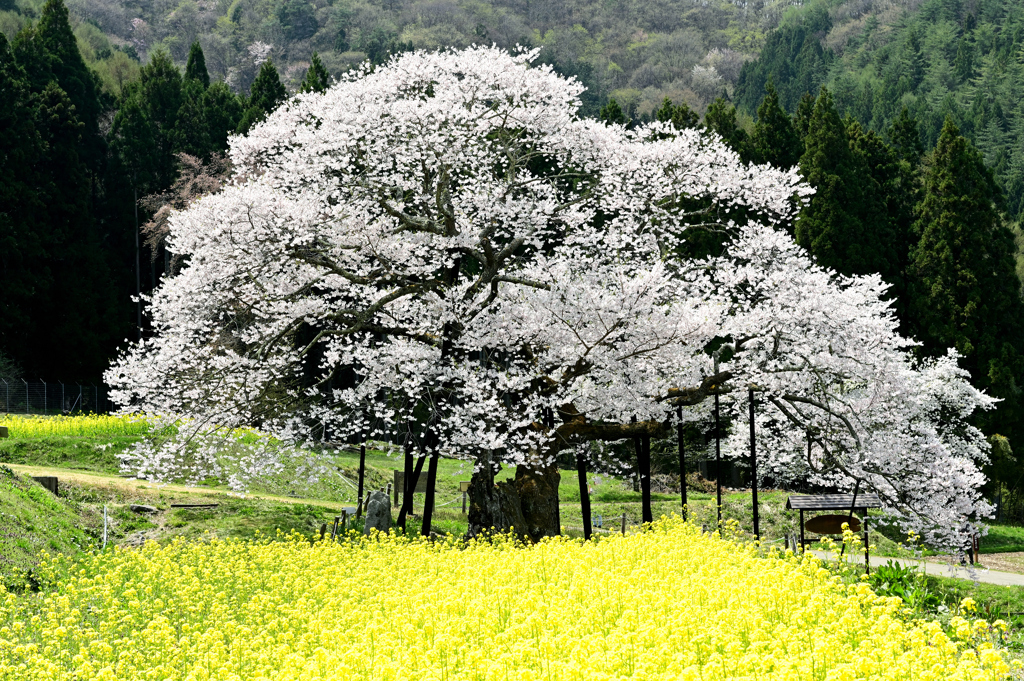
[[832, 502]]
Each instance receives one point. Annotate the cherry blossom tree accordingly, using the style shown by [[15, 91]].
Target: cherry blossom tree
[[440, 253]]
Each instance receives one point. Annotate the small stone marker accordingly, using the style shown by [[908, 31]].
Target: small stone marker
[[3, 432], [142, 508], [378, 513]]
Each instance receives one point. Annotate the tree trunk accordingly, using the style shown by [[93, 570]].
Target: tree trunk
[[529, 503], [538, 496], [494, 507]]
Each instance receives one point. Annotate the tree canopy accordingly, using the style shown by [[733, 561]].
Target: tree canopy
[[440, 253]]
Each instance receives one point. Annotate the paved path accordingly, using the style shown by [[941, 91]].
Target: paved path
[[938, 569]]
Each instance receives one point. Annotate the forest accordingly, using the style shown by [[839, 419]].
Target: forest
[[905, 118]]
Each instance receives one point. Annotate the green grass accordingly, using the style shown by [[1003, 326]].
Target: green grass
[[96, 454], [1002, 538], [32, 520]]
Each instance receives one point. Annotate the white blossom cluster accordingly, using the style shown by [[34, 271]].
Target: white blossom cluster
[[440, 250]]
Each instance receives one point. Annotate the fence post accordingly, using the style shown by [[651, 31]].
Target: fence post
[[7, 395], [27, 405]]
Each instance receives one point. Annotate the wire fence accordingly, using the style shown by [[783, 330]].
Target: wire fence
[[19, 396]]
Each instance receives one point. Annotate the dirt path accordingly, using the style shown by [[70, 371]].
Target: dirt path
[[91, 479]]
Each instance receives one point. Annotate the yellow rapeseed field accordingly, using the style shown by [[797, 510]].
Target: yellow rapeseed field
[[669, 603], [84, 425]]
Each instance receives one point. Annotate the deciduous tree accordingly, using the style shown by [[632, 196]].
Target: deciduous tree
[[441, 253]]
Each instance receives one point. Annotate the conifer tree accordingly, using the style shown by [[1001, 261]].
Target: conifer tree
[[721, 118], [317, 79], [802, 117], [905, 137], [191, 133], [160, 96], [844, 225], [775, 140], [195, 68], [265, 95], [223, 111], [679, 115], [612, 113], [968, 291], [23, 236]]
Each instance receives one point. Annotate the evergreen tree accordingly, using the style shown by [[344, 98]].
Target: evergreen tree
[[195, 68], [265, 95], [844, 225], [317, 79], [612, 113], [24, 239], [160, 97], [775, 140], [963, 64], [968, 291], [223, 111], [67, 67], [680, 116], [191, 129], [906, 140], [721, 118], [892, 190], [802, 117]]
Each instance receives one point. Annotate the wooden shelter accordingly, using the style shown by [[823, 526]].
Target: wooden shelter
[[847, 503]]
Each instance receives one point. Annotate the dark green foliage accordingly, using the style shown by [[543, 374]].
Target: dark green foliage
[[195, 68], [680, 116], [905, 138], [317, 79], [57, 291], [944, 60], [802, 117], [223, 111], [775, 139], [721, 118], [191, 130], [612, 113], [297, 19], [266, 94], [792, 58], [844, 225], [969, 295], [160, 97]]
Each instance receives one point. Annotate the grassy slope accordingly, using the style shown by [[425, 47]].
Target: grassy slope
[[33, 520]]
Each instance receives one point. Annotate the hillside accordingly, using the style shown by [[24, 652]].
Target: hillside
[[938, 58], [638, 51]]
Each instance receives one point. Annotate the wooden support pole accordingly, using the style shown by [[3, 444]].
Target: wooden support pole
[[682, 459], [637, 447], [428, 505], [623, 524], [867, 556], [409, 483], [334, 530], [407, 474], [645, 478], [753, 470], [802, 544], [581, 471], [718, 463], [362, 472]]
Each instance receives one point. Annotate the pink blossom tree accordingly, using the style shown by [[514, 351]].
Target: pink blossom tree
[[440, 252]]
